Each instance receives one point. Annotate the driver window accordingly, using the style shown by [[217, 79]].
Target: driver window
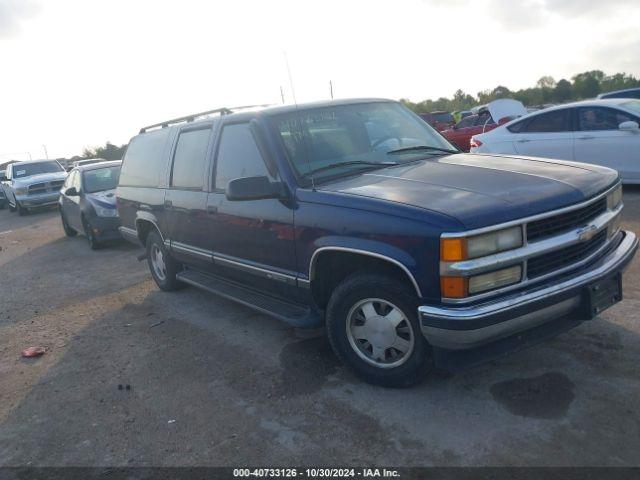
[[596, 118]]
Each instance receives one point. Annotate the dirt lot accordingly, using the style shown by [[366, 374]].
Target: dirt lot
[[213, 383]]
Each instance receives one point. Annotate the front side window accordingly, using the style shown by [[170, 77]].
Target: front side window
[[555, 121], [238, 156], [598, 118], [101, 179], [29, 169], [340, 139], [190, 159]]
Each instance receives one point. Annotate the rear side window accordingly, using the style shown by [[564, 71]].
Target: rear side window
[[142, 165], [517, 127], [190, 159], [555, 121], [238, 156]]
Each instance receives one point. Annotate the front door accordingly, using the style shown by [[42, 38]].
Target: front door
[[71, 203], [600, 141], [253, 240]]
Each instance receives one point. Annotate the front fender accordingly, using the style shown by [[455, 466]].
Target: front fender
[[373, 248]]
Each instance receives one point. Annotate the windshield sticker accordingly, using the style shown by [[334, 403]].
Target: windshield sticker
[[21, 172]]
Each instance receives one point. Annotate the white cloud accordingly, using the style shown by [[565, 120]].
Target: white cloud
[[82, 72], [13, 13]]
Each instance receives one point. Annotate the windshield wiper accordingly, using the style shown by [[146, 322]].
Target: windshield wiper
[[419, 148], [353, 162]]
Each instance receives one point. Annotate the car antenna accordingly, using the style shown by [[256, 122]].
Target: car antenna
[[295, 102]]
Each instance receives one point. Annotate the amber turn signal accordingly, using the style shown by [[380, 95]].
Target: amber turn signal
[[454, 287], [453, 249]]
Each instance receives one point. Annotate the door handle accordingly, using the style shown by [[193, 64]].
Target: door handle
[[524, 140], [168, 203], [586, 137], [212, 209]]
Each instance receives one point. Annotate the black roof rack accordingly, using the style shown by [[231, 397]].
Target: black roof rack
[[192, 117]]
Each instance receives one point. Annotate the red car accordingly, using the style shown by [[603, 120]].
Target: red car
[[460, 134], [438, 120], [504, 110]]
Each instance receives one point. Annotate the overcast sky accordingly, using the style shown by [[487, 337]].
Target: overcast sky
[[77, 73]]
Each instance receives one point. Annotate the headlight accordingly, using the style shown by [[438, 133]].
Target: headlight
[[456, 249], [105, 212], [21, 191], [614, 199]]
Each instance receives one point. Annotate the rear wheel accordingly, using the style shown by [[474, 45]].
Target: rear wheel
[[162, 265], [68, 231], [373, 327]]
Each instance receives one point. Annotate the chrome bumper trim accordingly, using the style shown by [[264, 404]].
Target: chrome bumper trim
[[614, 261]]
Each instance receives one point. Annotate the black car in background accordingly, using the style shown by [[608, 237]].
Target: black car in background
[[88, 203]]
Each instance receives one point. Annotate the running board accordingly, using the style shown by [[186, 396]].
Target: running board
[[293, 314]]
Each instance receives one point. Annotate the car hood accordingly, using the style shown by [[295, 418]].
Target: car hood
[[40, 178], [482, 190], [106, 198]]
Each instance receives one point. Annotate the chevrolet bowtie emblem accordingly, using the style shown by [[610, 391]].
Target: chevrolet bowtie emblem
[[587, 233]]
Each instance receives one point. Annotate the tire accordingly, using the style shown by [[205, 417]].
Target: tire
[[377, 360], [22, 211], [162, 266], [68, 231], [94, 243]]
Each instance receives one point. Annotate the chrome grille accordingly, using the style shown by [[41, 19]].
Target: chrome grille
[[46, 187], [563, 222], [564, 257]]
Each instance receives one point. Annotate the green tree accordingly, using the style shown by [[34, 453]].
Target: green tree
[[563, 91]]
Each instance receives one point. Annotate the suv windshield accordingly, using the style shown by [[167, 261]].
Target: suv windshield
[[347, 138], [101, 179], [28, 169]]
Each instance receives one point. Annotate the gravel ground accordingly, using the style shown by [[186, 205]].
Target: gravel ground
[[135, 376]]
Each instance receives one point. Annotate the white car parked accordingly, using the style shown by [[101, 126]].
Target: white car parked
[[603, 132]]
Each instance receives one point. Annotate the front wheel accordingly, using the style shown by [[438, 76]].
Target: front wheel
[[373, 327], [22, 211], [94, 243], [163, 266], [68, 231]]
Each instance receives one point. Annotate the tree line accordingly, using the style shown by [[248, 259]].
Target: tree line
[[582, 86]]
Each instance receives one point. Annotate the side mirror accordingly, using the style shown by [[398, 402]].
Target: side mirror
[[629, 126], [253, 188], [71, 192]]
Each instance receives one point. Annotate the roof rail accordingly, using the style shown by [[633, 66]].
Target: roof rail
[[192, 117]]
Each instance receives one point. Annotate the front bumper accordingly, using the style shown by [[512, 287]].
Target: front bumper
[[106, 228], [38, 200], [461, 328]]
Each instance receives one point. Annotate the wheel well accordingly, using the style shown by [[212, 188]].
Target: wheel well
[[143, 227], [332, 267]]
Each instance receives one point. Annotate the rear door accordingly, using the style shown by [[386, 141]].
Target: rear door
[[186, 196], [548, 135], [599, 140], [253, 240]]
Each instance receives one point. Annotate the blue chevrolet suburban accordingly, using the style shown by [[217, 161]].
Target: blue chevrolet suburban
[[357, 215]]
